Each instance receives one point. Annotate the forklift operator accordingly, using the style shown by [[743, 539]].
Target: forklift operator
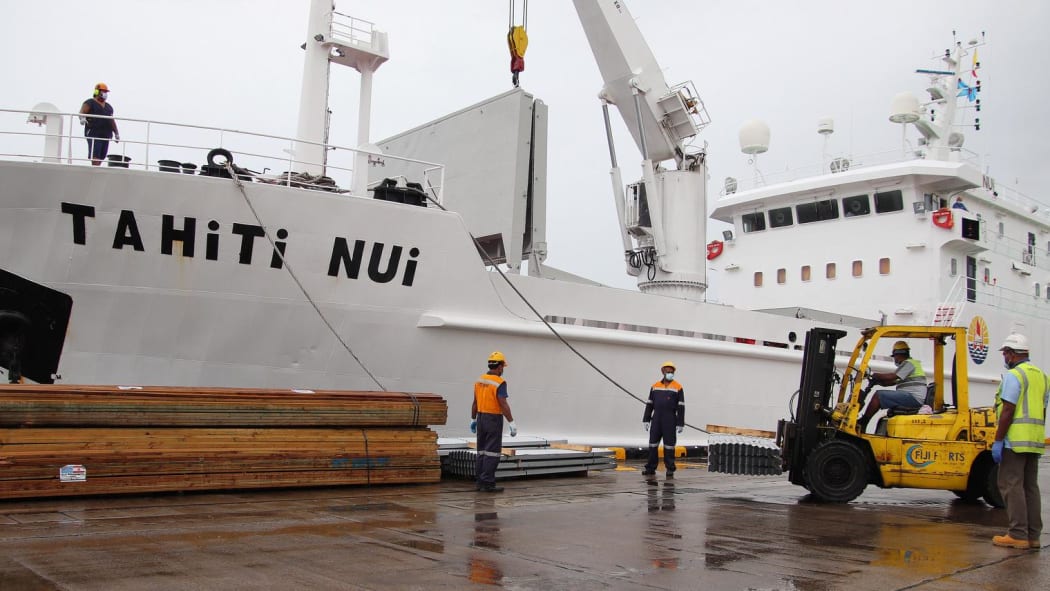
[[909, 379]]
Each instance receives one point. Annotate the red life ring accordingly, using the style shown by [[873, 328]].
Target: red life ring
[[942, 218], [714, 248]]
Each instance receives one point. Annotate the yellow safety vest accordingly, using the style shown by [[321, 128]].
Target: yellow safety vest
[[1027, 432]]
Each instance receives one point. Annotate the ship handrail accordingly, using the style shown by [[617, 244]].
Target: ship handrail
[[146, 138]]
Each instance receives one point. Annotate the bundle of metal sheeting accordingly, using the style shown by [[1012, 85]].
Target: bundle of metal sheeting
[[141, 441], [528, 459], [739, 454]]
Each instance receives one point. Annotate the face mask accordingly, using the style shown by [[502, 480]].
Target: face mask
[[103, 95], [669, 375]]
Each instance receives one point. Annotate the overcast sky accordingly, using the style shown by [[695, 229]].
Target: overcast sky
[[237, 64]]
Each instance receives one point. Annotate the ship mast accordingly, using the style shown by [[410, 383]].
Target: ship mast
[[332, 37]]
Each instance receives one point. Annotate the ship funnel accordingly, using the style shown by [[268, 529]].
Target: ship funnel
[[904, 108], [754, 137]]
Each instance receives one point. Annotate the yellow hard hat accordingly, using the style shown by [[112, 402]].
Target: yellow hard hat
[[901, 347], [497, 357], [668, 364], [102, 86]]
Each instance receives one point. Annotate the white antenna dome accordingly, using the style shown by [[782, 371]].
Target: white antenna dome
[[826, 126], [754, 137], [904, 108]]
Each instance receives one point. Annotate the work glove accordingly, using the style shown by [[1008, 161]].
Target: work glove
[[646, 423], [513, 429], [997, 451], [116, 138], [473, 425], [681, 428], [83, 120]]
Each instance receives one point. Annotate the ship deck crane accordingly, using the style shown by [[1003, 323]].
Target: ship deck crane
[[663, 216]]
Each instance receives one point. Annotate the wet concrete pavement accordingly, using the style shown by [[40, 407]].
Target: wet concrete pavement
[[610, 530]]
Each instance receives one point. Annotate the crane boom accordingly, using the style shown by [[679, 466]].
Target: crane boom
[[665, 118], [662, 216]]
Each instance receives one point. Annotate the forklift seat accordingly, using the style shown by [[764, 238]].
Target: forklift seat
[[928, 401]]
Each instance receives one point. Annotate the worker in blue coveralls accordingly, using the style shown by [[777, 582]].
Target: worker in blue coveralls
[[665, 410], [486, 419]]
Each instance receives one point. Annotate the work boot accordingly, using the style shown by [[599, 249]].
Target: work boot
[[1009, 542], [648, 472], [492, 489], [1034, 544], [670, 474]]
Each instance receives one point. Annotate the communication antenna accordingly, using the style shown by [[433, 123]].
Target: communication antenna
[[825, 127], [754, 140], [904, 109]]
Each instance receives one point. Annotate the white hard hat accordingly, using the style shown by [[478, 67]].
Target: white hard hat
[[1015, 342]]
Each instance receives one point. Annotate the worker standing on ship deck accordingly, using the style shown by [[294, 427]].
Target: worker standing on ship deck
[[99, 126], [665, 412], [486, 419]]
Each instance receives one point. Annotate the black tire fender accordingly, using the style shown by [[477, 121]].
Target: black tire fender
[[220, 152]]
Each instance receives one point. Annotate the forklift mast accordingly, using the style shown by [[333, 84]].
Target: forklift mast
[[798, 437]]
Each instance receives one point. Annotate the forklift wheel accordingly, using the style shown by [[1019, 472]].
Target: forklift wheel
[[837, 471], [992, 496]]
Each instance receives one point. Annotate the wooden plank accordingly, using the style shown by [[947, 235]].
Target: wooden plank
[[573, 447], [721, 429]]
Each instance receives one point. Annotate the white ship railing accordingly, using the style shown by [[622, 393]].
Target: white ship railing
[[144, 143]]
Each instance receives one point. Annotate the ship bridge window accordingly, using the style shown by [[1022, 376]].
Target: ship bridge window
[[858, 268], [753, 222], [827, 209], [806, 273], [884, 266], [829, 271], [780, 217], [889, 201], [781, 276], [758, 278], [857, 205], [1037, 292]]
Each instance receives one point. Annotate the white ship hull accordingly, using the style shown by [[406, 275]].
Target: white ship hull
[[145, 317]]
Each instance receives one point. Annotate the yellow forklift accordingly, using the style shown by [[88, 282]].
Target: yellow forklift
[[948, 449]]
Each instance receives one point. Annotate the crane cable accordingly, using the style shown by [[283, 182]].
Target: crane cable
[[551, 328]]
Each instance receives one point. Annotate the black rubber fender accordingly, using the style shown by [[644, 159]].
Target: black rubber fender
[[220, 152]]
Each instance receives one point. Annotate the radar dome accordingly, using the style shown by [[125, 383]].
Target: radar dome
[[754, 137], [904, 108], [826, 126]]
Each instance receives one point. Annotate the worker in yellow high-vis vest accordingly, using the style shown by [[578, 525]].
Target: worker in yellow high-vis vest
[[486, 419], [1020, 411]]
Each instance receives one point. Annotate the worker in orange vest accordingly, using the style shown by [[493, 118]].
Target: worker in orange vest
[[486, 419]]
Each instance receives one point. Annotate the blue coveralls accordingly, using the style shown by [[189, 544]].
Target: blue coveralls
[[666, 410]]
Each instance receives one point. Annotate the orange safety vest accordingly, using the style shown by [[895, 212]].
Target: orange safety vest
[[485, 390]]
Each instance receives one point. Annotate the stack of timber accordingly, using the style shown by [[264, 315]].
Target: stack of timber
[[526, 457], [85, 440]]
